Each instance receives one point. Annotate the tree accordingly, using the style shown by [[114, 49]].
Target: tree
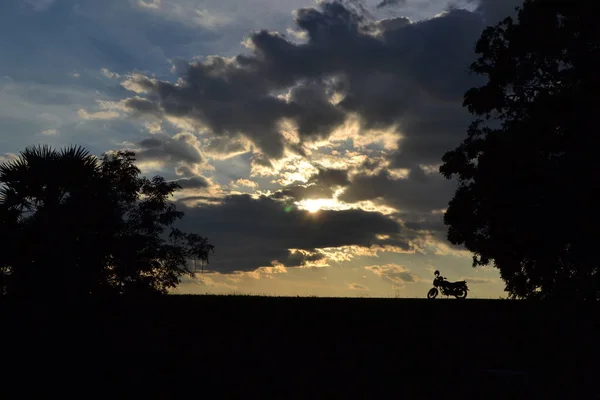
[[74, 225], [527, 171]]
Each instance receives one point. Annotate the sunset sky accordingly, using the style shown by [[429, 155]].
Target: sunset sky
[[307, 135]]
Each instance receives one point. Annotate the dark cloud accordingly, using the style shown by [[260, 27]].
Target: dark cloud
[[299, 258], [180, 148], [195, 182], [185, 171], [390, 24], [391, 3], [331, 177], [249, 233], [141, 105], [357, 286], [225, 147], [418, 193], [431, 137], [391, 74], [426, 222], [315, 115]]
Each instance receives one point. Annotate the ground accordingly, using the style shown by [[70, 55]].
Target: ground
[[252, 347]]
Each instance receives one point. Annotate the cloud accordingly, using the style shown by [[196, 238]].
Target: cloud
[[298, 258], [49, 132], [154, 4], [357, 286], [83, 114], [478, 281], [183, 148], [109, 74], [318, 186], [330, 177], [390, 3], [253, 232], [195, 182], [394, 273], [409, 76], [223, 148], [244, 183], [417, 193]]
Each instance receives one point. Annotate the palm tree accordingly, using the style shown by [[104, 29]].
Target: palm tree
[[44, 177], [36, 190]]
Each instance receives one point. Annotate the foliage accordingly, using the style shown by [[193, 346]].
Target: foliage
[[527, 171], [73, 225]]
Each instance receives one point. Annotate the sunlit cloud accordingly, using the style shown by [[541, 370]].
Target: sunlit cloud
[[343, 254], [109, 74], [247, 183], [150, 167], [314, 205], [49, 132], [83, 114], [353, 133], [290, 169], [186, 13], [393, 273], [266, 272], [149, 3], [477, 280], [340, 159], [357, 286], [431, 245]]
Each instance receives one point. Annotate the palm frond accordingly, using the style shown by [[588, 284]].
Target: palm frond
[[39, 152]]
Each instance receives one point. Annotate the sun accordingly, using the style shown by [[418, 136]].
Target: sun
[[314, 205]]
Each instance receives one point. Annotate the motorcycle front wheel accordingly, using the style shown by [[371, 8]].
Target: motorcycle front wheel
[[432, 294], [462, 293]]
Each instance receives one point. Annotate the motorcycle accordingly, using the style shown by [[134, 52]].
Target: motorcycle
[[456, 289]]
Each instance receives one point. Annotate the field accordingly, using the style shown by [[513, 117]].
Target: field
[[252, 347]]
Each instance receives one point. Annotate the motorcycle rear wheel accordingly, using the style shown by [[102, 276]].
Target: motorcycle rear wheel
[[432, 294], [462, 294]]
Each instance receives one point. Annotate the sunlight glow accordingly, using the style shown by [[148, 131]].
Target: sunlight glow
[[314, 205]]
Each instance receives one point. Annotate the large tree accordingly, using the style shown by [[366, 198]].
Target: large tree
[[528, 170], [72, 225]]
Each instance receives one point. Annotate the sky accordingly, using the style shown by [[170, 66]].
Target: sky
[[306, 136]]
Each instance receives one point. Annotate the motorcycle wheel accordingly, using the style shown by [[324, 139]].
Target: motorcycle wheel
[[461, 294], [432, 294]]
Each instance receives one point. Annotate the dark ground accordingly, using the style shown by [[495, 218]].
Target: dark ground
[[257, 347]]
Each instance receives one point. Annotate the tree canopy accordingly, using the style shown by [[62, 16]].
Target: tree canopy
[[74, 225], [528, 170]]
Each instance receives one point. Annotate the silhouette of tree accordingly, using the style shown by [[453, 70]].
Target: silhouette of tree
[[72, 225], [527, 171]]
